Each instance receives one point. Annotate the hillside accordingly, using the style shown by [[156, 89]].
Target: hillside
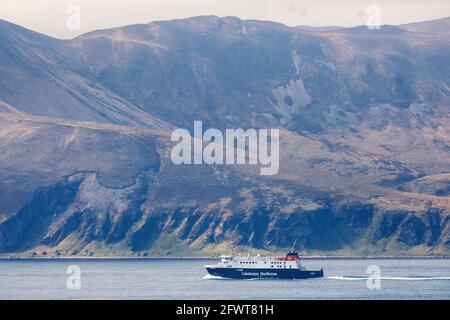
[[364, 118]]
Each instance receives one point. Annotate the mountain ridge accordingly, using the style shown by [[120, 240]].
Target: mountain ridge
[[85, 149], [423, 24]]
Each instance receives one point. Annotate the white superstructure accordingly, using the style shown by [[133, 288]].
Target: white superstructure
[[259, 262]]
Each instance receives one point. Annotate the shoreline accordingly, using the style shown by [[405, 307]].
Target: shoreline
[[15, 258]]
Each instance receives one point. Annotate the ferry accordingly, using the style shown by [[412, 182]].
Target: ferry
[[258, 267]]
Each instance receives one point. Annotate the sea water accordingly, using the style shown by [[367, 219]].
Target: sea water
[[187, 279]]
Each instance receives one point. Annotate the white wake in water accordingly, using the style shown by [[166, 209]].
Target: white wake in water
[[210, 277], [356, 278], [353, 278]]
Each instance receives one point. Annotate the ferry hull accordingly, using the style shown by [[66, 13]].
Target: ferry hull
[[254, 273]]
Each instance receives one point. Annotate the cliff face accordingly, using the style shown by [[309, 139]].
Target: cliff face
[[85, 139], [80, 216]]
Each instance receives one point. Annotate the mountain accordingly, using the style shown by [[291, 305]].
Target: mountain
[[364, 139], [37, 80], [439, 26]]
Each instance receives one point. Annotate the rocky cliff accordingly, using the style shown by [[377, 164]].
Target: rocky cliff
[[365, 139]]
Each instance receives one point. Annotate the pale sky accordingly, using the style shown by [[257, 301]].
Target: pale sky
[[50, 16]]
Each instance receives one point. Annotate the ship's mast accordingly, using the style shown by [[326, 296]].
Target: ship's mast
[[293, 246]]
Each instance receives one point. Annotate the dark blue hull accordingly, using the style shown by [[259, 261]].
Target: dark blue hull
[[250, 273]]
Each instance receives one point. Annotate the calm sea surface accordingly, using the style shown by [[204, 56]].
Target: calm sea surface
[[185, 279]]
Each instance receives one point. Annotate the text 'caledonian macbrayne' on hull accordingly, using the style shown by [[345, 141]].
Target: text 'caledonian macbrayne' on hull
[[288, 267]]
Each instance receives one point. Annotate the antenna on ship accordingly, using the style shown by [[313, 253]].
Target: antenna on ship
[[293, 246]]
